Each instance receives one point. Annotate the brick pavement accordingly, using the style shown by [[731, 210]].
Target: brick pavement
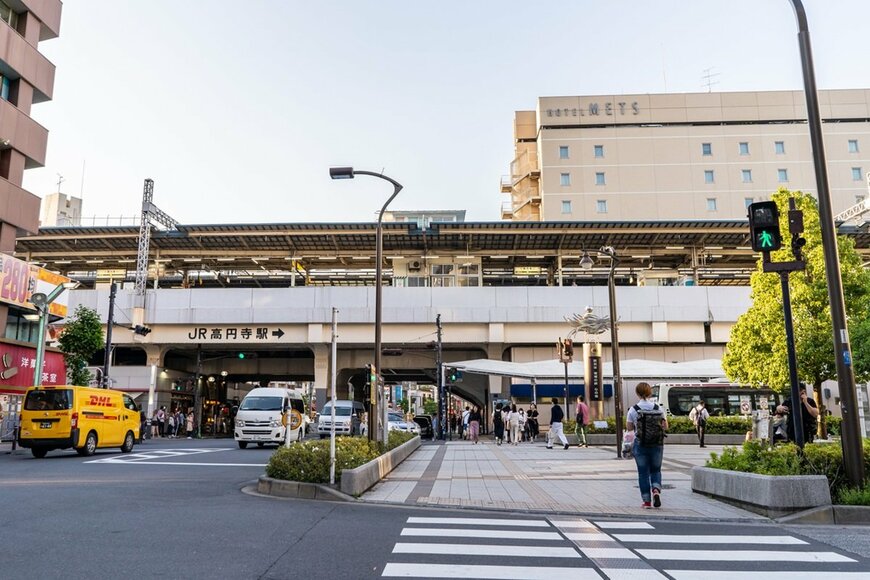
[[589, 481]]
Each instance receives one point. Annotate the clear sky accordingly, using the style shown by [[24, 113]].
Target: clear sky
[[238, 109]]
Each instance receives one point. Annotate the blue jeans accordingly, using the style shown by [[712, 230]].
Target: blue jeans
[[649, 468]]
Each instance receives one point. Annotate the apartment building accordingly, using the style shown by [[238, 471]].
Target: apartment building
[[680, 156]]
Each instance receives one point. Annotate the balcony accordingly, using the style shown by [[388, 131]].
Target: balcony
[[525, 165]]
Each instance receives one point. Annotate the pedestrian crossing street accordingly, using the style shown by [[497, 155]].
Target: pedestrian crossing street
[[537, 548]]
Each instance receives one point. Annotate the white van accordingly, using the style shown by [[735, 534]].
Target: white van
[[261, 417], [348, 418]]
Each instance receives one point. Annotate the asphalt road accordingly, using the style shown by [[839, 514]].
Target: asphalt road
[[175, 508]]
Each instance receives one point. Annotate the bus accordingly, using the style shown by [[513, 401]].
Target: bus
[[722, 398]]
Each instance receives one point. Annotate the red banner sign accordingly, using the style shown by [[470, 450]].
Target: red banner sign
[[17, 364]]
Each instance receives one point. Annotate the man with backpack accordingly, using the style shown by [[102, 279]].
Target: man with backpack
[[649, 424], [698, 416]]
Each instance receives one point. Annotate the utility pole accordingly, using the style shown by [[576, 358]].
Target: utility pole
[[110, 322], [334, 356], [439, 367], [197, 396]]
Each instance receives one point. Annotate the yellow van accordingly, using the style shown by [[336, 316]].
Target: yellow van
[[81, 418]]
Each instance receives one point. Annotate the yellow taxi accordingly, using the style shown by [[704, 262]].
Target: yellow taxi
[[81, 418]]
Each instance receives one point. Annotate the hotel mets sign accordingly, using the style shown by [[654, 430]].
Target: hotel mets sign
[[620, 108]]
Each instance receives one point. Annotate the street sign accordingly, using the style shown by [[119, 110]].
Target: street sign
[[745, 405], [595, 385]]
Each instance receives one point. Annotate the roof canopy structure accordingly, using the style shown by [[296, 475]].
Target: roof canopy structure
[[709, 369]]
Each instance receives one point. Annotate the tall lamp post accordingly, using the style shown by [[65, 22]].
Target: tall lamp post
[[42, 302], [350, 173], [586, 263], [853, 460]]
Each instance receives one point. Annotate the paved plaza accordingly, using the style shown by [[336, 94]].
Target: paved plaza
[[584, 481]]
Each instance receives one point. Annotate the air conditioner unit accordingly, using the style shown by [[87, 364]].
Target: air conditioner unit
[[415, 265]]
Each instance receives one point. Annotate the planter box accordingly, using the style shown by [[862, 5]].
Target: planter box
[[355, 481], [673, 439], [769, 495]]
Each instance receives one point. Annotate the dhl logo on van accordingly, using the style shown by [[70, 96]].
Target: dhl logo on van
[[101, 401]]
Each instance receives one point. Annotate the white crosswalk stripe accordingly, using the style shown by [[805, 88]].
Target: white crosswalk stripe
[[550, 556], [706, 539]]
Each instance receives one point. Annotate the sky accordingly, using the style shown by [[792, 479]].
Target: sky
[[237, 110]]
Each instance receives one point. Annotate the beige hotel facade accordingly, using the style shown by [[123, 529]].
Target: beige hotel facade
[[693, 156]]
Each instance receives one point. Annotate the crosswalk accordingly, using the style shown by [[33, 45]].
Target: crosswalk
[[532, 548], [173, 457]]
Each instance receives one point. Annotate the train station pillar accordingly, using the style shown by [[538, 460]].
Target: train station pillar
[[153, 360], [321, 373]]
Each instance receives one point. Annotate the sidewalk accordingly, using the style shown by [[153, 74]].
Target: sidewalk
[[531, 477]]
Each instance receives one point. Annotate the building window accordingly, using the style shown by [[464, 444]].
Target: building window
[[782, 175], [563, 152], [747, 175], [599, 150], [708, 176], [7, 15], [566, 206], [711, 204], [468, 275], [853, 145], [601, 206], [599, 178], [442, 275], [744, 148], [4, 87], [779, 147], [856, 174], [706, 148], [747, 201], [565, 179]]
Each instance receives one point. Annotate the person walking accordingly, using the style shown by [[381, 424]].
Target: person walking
[[556, 416], [497, 424], [505, 420], [582, 417], [189, 424], [649, 424], [698, 416], [464, 428], [474, 419], [524, 427], [532, 420], [161, 421], [155, 425], [514, 423]]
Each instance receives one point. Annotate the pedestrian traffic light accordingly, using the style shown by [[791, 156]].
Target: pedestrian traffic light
[[764, 226], [241, 355], [455, 376], [372, 374]]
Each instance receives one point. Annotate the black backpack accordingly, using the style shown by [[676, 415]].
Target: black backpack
[[650, 431]]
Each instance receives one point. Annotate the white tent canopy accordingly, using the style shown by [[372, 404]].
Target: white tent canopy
[[709, 369]]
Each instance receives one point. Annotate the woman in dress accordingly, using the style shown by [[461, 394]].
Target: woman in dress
[[474, 419]]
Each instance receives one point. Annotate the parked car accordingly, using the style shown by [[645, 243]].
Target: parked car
[[397, 423], [427, 429]]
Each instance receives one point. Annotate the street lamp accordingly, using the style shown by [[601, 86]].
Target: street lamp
[[41, 302], [350, 173], [586, 263]]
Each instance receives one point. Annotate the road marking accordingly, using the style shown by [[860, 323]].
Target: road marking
[[741, 556], [156, 454], [562, 524], [707, 539], [487, 572], [644, 574], [481, 522], [184, 463], [623, 525], [503, 534], [588, 537], [606, 553], [766, 574], [486, 550]]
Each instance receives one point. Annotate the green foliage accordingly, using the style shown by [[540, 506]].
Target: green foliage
[[430, 407], [756, 352], [835, 425], [818, 459], [309, 461], [854, 496], [82, 336], [732, 425]]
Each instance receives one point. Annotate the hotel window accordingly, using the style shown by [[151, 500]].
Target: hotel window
[[779, 147], [744, 148], [599, 178], [601, 206], [599, 150], [708, 176], [747, 175], [566, 206], [856, 174], [782, 175], [853, 145], [564, 179], [706, 149], [711, 204], [563, 152], [747, 201]]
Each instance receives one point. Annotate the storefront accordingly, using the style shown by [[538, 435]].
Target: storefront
[[17, 364]]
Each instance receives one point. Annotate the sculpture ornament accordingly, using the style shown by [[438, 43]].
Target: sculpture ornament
[[587, 323]]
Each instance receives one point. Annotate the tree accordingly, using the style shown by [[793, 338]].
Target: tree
[[756, 353], [82, 336], [430, 407]]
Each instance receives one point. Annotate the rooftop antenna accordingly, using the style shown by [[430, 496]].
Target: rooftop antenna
[[60, 180], [709, 78]]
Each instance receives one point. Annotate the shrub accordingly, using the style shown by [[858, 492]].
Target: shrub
[[835, 424], [854, 496], [729, 425], [397, 438]]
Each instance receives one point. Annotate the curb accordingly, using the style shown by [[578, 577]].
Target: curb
[[830, 515], [296, 489]]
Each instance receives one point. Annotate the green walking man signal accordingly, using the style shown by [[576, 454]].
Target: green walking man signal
[[764, 226]]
